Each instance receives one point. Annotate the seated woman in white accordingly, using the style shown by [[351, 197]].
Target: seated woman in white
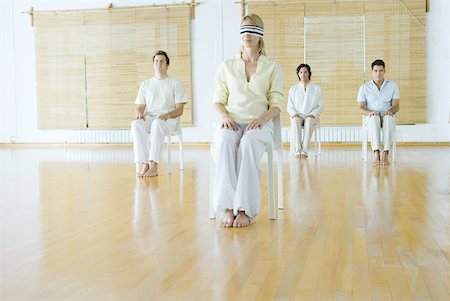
[[248, 95], [305, 103]]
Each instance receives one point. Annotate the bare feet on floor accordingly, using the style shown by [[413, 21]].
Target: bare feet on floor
[[241, 220], [385, 158], [301, 155], [227, 219], [144, 169], [152, 170], [376, 158]]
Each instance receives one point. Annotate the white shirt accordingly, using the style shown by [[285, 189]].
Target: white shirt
[[309, 102], [160, 96], [378, 100]]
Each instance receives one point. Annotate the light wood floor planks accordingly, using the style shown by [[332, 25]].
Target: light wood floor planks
[[76, 224]]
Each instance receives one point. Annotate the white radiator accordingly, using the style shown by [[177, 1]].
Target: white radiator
[[100, 136], [333, 134], [328, 134]]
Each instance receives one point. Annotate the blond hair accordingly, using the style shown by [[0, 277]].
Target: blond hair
[[257, 21]]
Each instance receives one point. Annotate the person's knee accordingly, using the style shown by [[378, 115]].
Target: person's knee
[[297, 121], [374, 121], [309, 120], [248, 140], [137, 124], [388, 119], [374, 118], [157, 124], [224, 138]]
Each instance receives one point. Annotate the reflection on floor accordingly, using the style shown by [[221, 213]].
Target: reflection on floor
[[76, 224]]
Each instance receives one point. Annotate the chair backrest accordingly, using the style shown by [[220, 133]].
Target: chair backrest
[[277, 132]]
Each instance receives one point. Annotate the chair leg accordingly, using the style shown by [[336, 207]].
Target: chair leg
[[394, 149], [180, 144], [270, 179], [212, 169], [169, 154], [280, 179], [364, 144], [318, 140]]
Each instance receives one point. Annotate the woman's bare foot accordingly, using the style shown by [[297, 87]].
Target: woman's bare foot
[[376, 158], [385, 158], [144, 169], [227, 219], [152, 170], [241, 220]]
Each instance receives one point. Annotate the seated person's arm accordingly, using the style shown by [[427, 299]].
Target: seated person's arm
[[225, 120], [140, 111], [394, 108], [364, 111], [175, 113]]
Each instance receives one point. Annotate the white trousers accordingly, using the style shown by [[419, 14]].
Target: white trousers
[[158, 129], [300, 139], [237, 156], [376, 124]]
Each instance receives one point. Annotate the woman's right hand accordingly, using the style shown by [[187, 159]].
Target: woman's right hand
[[228, 123]]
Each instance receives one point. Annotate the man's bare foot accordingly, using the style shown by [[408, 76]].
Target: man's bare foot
[[376, 158], [144, 169], [385, 158], [227, 219], [241, 220], [152, 170]]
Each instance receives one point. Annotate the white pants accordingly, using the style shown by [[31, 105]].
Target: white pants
[[376, 124], [158, 129], [237, 155], [300, 142]]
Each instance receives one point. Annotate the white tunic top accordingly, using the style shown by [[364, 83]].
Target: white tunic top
[[160, 96], [247, 100], [309, 102], [378, 100]]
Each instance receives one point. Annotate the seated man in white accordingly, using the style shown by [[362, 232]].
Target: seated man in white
[[305, 103], [378, 100], [159, 102]]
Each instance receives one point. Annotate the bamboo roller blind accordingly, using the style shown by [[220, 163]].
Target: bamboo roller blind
[[90, 64], [339, 40]]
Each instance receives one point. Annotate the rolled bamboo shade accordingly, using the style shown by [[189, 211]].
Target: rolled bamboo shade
[[60, 71], [283, 40], [341, 39], [397, 37], [115, 57]]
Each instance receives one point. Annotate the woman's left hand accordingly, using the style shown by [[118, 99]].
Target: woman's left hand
[[256, 124]]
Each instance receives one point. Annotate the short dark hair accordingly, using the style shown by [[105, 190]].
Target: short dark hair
[[378, 63], [161, 52], [307, 67]]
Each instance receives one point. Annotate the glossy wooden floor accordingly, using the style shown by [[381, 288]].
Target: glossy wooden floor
[[76, 224]]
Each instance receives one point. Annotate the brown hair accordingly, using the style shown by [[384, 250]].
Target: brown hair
[[161, 52]]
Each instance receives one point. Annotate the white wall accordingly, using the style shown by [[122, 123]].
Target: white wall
[[214, 38]]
